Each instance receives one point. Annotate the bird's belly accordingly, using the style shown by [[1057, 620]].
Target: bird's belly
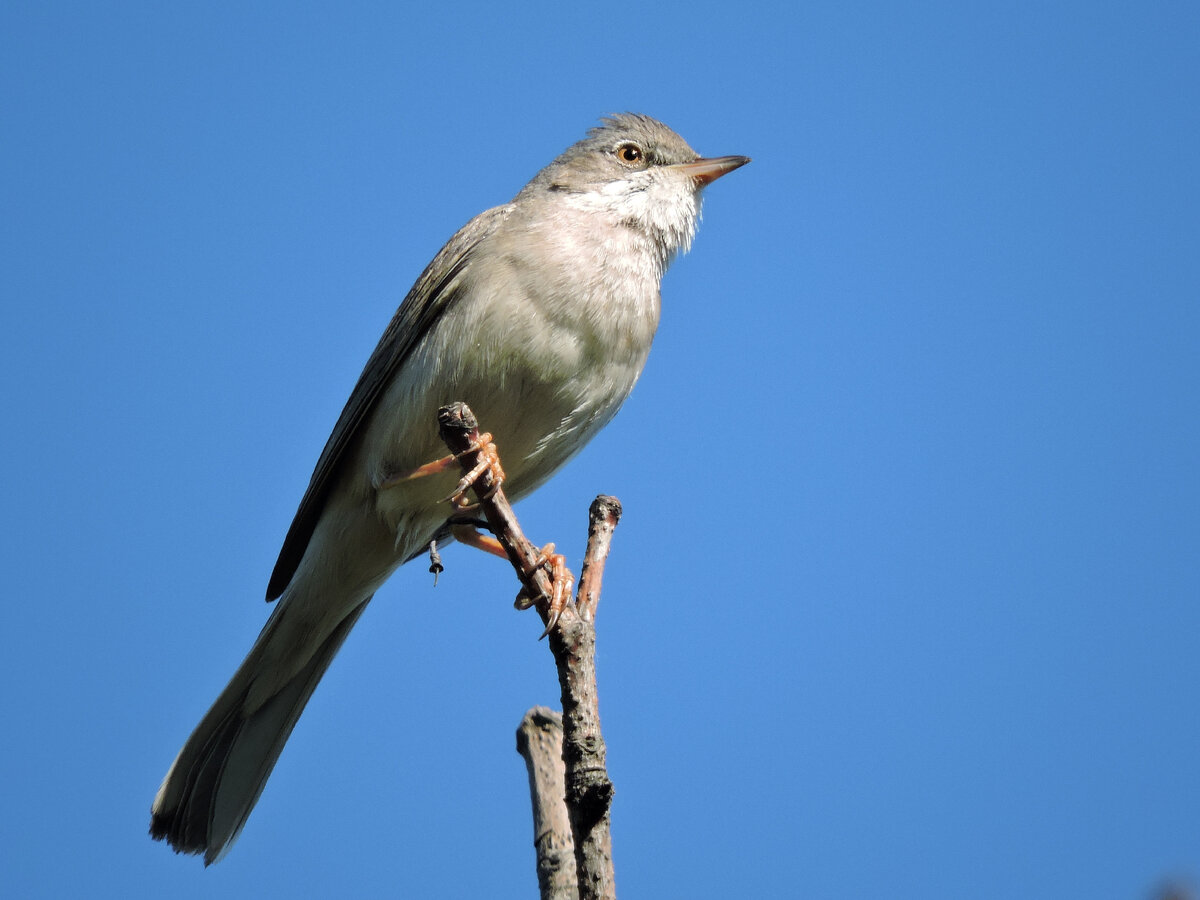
[[541, 397]]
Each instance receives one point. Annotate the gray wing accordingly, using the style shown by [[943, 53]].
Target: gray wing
[[436, 289]]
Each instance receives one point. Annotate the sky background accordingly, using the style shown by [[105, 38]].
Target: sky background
[[905, 599]]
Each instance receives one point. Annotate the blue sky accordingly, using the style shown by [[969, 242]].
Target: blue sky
[[904, 603]]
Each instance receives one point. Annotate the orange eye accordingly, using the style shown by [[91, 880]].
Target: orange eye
[[629, 153]]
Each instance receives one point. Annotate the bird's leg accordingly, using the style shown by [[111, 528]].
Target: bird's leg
[[470, 536], [544, 573], [430, 468], [562, 581], [561, 577], [489, 461]]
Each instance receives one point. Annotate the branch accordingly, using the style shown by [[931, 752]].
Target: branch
[[588, 790], [573, 643], [539, 741]]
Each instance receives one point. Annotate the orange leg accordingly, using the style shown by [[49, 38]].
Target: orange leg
[[470, 537], [490, 462], [561, 580]]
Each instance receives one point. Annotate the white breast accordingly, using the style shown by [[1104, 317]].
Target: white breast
[[543, 348]]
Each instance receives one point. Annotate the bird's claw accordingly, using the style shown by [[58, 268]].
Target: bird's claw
[[561, 584]]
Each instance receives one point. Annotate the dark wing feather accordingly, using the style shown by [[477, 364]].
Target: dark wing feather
[[433, 293]]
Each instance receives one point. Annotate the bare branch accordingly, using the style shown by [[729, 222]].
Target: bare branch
[[539, 741], [603, 516], [589, 791]]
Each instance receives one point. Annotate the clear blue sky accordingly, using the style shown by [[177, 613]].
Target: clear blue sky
[[905, 601]]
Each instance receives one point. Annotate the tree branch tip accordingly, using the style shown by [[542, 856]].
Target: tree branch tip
[[456, 416], [606, 506]]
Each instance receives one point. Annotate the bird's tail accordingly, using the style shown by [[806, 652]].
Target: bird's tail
[[219, 774]]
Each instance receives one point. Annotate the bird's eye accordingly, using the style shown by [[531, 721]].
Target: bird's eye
[[629, 153]]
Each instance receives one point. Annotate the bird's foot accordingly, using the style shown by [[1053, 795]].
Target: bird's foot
[[489, 464], [561, 584]]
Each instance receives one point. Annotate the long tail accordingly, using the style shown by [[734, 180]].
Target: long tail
[[219, 774]]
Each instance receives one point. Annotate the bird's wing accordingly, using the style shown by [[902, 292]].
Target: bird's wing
[[436, 289]]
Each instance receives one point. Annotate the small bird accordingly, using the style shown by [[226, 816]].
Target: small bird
[[539, 314]]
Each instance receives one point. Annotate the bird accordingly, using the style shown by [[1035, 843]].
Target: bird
[[539, 314]]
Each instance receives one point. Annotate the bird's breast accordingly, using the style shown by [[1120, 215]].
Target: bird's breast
[[543, 348]]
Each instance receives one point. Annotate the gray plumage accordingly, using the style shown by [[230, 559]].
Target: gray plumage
[[539, 314]]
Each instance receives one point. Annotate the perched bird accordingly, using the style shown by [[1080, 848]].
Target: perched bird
[[539, 314]]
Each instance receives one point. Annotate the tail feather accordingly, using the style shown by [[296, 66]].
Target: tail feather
[[219, 774]]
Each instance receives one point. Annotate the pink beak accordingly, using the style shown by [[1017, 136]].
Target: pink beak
[[706, 171]]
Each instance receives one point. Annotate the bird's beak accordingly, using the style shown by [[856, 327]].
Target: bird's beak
[[705, 171]]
